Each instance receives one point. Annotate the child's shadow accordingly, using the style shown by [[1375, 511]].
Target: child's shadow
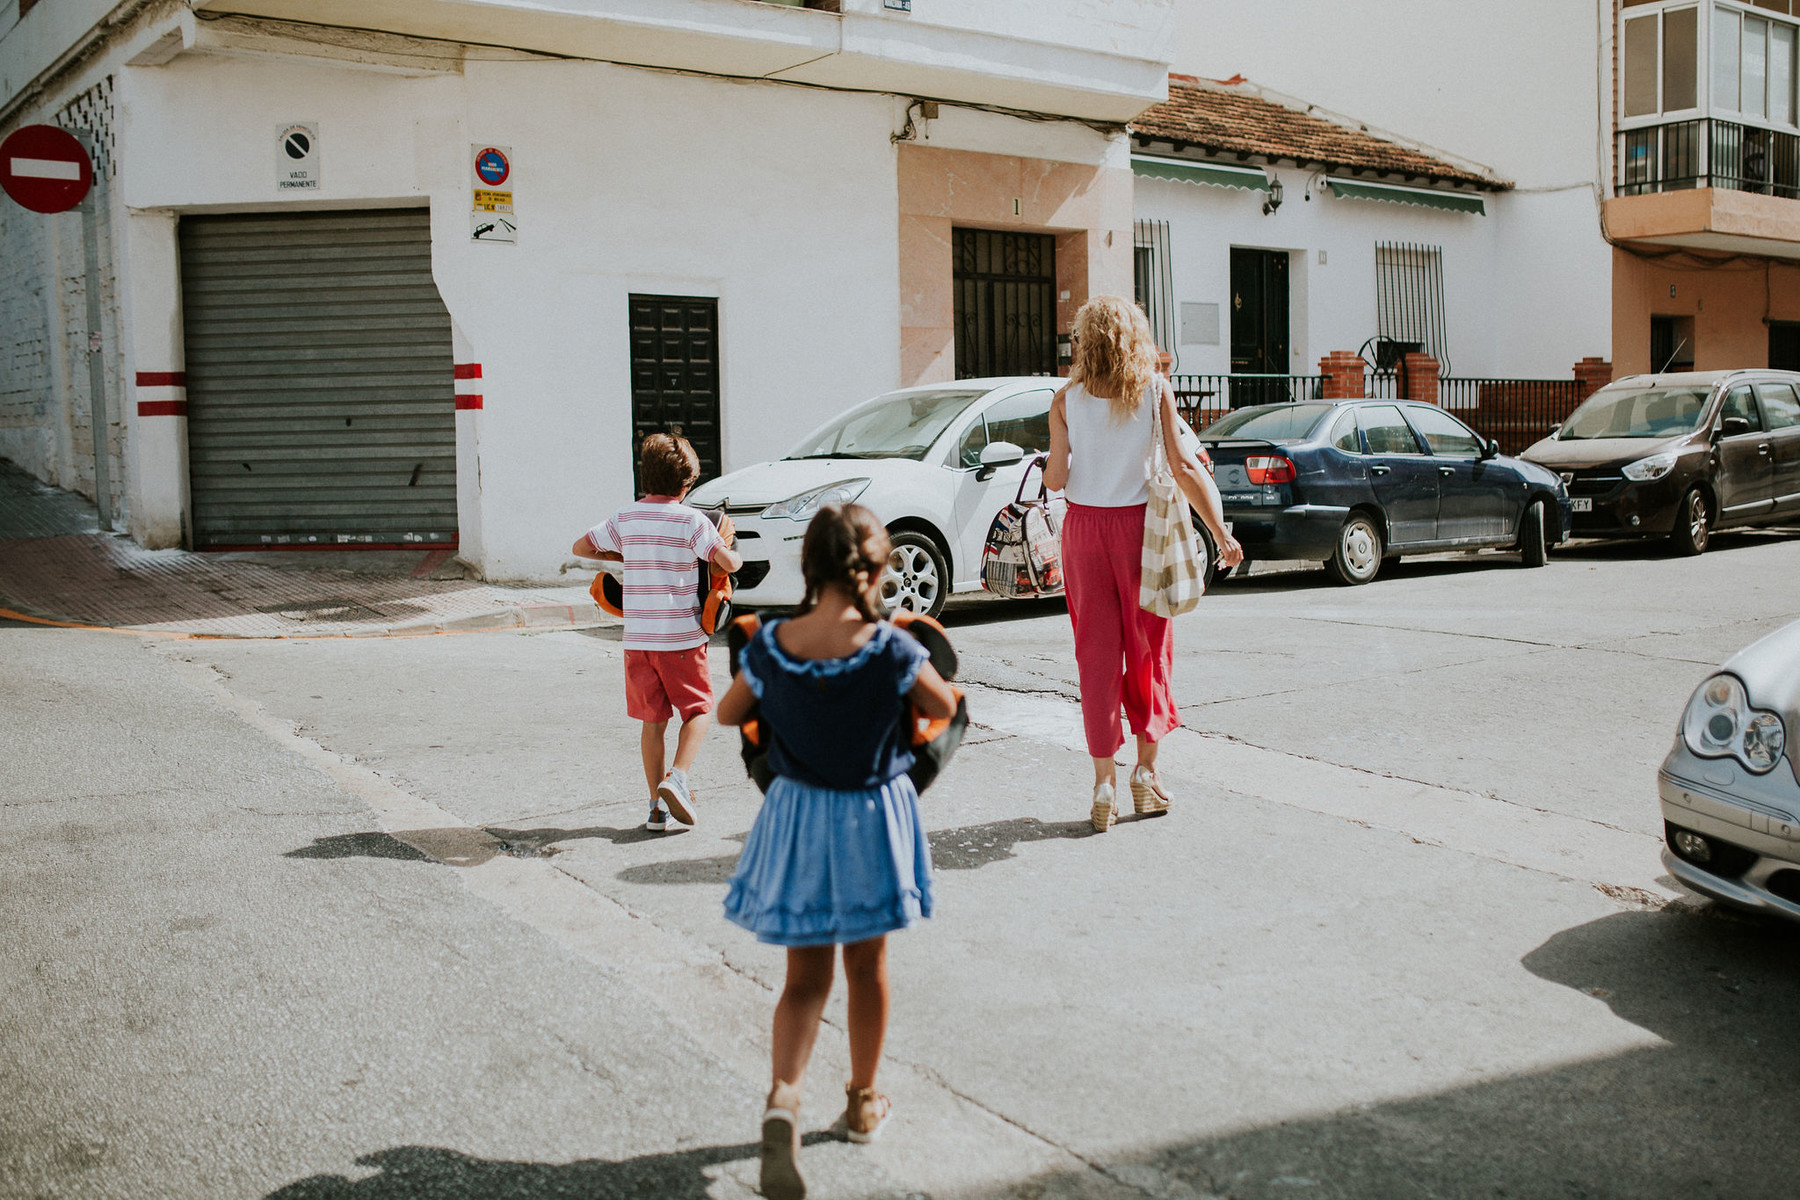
[[964, 849], [410, 1172], [540, 841]]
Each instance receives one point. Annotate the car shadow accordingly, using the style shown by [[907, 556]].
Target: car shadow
[[1629, 549], [1699, 1103], [417, 1172]]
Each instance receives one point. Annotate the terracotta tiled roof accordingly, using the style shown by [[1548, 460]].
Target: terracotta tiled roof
[[1232, 119]]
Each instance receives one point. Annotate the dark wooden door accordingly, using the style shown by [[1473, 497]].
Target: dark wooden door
[[675, 374], [1259, 323], [1005, 303], [1784, 345]]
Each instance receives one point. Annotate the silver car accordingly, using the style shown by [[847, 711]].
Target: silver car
[[1730, 787]]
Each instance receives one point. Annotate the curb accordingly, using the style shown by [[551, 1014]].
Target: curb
[[514, 616]]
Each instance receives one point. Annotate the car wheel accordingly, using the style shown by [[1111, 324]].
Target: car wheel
[[917, 577], [1534, 545], [1358, 554], [1693, 524], [1209, 569]]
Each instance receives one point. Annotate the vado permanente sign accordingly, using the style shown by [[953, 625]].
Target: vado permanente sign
[[44, 168]]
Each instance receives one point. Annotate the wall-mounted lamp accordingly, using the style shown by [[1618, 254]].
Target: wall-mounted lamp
[[1274, 200]]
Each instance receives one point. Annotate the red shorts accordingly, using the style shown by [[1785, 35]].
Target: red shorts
[[659, 683]]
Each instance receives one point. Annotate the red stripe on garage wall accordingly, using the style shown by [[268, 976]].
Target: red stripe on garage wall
[[162, 378], [468, 370], [468, 402], [162, 408]]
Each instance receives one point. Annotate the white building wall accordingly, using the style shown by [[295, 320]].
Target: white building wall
[[779, 201], [1516, 88], [1332, 302], [46, 410]]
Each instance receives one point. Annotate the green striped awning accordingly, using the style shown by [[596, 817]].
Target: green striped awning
[[1453, 201], [1209, 174]]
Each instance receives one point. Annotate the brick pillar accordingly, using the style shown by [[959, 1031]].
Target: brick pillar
[[1419, 378], [1593, 374], [1164, 360], [1343, 371]]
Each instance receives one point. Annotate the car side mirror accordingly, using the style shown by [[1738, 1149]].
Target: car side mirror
[[1732, 426], [995, 455], [1490, 449]]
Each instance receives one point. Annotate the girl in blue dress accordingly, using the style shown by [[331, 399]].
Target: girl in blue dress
[[838, 855]]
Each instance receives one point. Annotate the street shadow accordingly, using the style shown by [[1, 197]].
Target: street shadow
[[537, 841], [1706, 1107], [463, 846], [358, 845], [975, 611], [963, 849], [421, 1172], [974, 846]]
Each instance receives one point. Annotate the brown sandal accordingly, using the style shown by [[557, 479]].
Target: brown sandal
[[781, 1178], [865, 1114]]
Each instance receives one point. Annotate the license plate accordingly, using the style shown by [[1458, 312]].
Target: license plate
[[1582, 504]]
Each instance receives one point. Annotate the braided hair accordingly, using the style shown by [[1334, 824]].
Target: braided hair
[[845, 545]]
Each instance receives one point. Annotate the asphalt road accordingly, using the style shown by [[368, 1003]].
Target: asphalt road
[[374, 918]]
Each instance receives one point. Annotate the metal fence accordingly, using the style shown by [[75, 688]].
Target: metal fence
[[1514, 412], [1203, 399], [1708, 153]]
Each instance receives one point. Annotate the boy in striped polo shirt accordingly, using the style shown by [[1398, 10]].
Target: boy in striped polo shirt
[[662, 541]]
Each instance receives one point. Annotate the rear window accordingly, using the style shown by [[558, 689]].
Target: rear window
[[1269, 422]]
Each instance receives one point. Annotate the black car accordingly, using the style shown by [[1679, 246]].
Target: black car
[[1680, 455], [1356, 481]]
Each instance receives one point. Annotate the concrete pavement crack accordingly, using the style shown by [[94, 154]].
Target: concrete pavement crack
[[1487, 637]]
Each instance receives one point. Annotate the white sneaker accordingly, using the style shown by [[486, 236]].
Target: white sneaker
[[673, 791], [1105, 813]]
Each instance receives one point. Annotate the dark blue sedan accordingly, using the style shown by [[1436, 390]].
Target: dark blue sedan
[[1353, 482]]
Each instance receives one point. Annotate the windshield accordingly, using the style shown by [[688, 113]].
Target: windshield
[[901, 425], [1271, 423], [1653, 413]]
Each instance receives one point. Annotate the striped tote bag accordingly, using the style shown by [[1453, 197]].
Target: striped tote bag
[[1172, 580]]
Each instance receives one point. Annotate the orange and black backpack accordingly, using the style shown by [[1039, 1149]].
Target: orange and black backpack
[[608, 591], [934, 740]]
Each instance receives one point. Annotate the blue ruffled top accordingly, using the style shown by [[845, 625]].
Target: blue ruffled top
[[836, 722]]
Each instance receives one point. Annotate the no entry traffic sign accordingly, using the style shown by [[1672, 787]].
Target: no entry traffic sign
[[45, 168]]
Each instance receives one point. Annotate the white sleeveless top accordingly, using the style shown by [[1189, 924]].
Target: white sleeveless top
[[1109, 461]]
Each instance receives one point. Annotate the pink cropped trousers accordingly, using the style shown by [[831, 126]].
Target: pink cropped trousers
[[1122, 653]]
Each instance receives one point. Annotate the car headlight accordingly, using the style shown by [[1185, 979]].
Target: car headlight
[[800, 507], [1719, 722], [1654, 467]]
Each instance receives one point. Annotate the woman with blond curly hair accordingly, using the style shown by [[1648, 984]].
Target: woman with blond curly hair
[[1102, 446]]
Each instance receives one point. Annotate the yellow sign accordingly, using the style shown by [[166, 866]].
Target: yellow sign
[[490, 201]]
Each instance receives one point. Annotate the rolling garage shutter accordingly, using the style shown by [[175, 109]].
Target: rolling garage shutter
[[319, 374]]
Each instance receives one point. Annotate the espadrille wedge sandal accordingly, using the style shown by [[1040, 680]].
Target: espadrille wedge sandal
[[1105, 809], [781, 1178], [1147, 795], [866, 1112]]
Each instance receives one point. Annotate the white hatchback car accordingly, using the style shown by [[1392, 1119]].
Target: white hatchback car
[[935, 463]]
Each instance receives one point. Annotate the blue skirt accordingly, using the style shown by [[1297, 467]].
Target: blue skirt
[[823, 867]]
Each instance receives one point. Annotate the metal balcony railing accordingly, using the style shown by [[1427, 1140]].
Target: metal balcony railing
[[1707, 152]]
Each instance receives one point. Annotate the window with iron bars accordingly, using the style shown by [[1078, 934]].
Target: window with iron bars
[[1409, 303], [1153, 285]]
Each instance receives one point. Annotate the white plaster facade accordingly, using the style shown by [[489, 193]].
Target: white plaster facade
[[1520, 89], [778, 200]]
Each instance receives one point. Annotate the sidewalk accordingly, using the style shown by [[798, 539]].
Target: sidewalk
[[56, 566]]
